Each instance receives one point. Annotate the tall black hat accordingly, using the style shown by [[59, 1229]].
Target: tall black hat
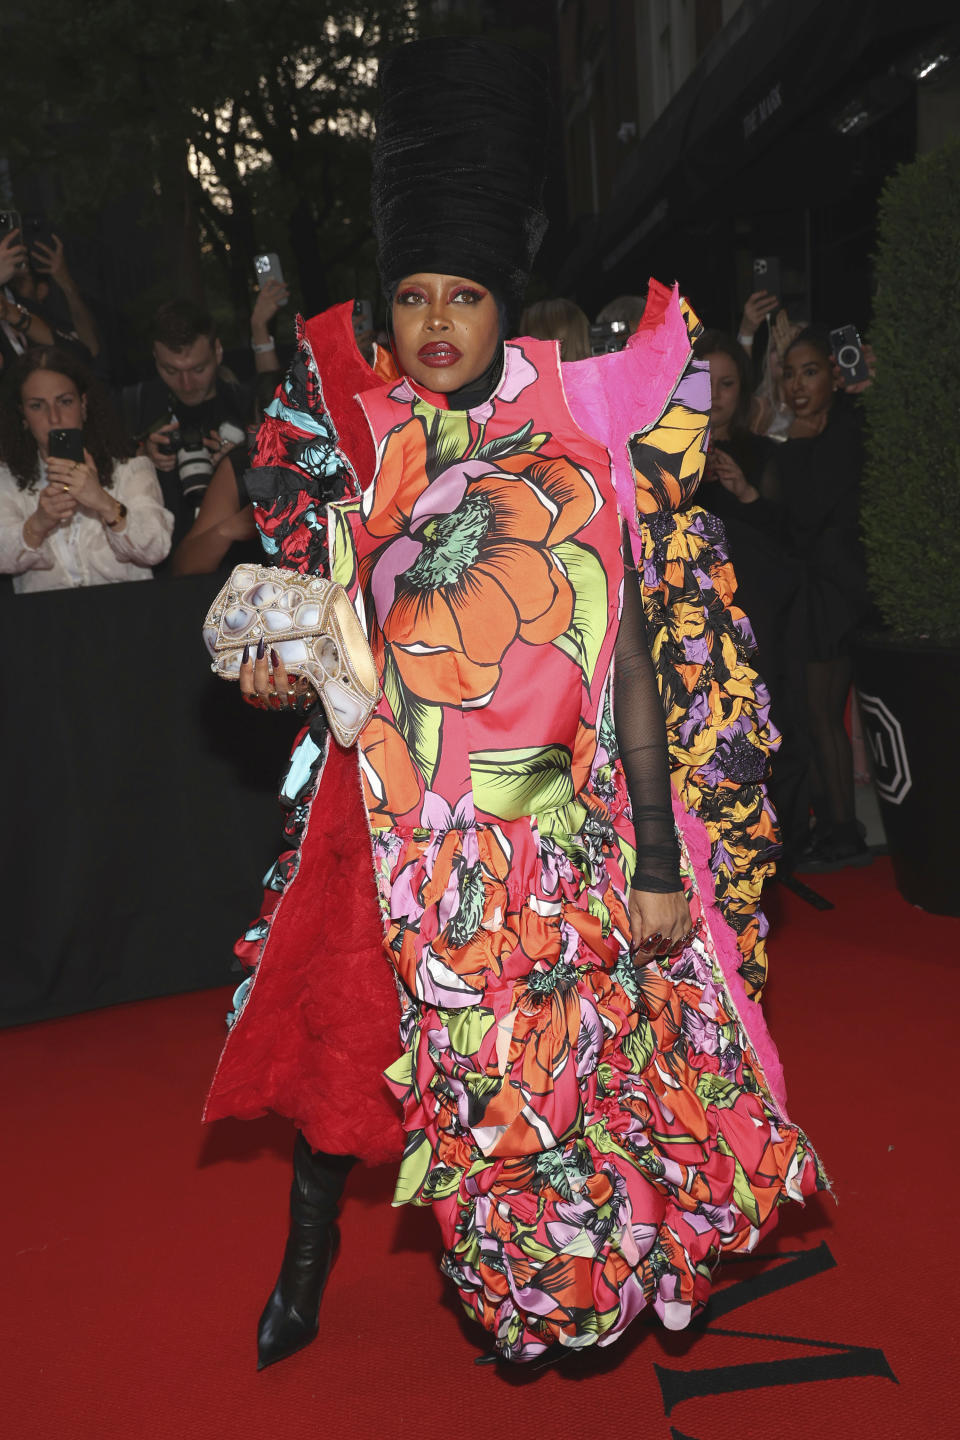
[[459, 161]]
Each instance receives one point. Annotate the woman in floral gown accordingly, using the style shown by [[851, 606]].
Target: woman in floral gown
[[588, 1096]]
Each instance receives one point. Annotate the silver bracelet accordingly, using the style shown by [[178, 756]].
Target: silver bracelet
[[263, 349], [744, 340]]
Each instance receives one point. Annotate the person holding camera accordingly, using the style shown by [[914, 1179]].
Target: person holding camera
[[224, 526], [75, 507], [191, 414]]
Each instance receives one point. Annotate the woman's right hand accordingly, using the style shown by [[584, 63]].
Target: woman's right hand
[[157, 448], [755, 310], [13, 256], [272, 294], [55, 506]]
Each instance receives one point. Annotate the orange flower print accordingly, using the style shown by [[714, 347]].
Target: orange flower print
[[391, 785], [467, 566]]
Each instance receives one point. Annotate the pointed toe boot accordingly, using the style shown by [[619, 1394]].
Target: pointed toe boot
[[290, 1318]]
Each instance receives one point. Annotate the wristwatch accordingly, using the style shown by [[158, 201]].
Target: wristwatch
[[120, 515]]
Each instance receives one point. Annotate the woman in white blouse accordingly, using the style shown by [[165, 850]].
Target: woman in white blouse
[[66, 523]]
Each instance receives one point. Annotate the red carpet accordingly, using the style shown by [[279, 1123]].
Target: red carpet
[[138, 1248]]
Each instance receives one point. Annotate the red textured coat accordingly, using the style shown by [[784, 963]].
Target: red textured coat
[[320, 1023]]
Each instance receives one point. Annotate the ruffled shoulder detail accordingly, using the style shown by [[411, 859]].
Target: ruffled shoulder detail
[[313, 446], [667, 455], [718, 713], [650, 405]]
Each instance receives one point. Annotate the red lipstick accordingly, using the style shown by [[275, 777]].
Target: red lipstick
[[438, 354]]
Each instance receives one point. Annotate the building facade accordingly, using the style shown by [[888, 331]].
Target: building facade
[[702, 134]]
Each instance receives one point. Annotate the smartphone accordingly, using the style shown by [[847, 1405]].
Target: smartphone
[[66, 445], [362, 317], [267, 267], [36, 229], [766, 274], [848, 352]]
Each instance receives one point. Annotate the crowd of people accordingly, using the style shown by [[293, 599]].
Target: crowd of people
[[155, 487], [782, 474]]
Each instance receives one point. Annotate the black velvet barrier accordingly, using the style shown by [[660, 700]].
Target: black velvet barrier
[[139, 799]]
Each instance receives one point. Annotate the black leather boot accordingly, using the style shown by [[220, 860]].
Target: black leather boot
[[291, 1316]]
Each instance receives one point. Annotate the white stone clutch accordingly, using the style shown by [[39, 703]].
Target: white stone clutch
[[313, 628]]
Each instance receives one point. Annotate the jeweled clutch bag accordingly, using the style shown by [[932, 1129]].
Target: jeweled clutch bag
[[313, 628]]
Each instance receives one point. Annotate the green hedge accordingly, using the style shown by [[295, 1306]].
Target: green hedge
[[911, 489]]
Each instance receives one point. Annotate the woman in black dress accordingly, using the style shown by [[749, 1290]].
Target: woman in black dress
[[816, 479]]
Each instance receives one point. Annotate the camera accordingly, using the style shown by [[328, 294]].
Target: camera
[[37, 230], [610, 336], [194, 461]]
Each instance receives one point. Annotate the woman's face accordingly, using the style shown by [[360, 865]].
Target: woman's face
[[807, 381], [445, 330], [724, 392], [51, 401]]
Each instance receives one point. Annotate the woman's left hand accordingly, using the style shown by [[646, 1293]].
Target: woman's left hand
[[266, 683], [858, 387], [725, 469], [49, 259], [659, 924], [80, 479]]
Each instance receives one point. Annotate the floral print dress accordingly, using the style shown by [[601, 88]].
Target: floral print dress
[[591, 1134]]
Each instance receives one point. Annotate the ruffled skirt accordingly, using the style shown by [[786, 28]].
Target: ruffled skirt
[[593, 1136]]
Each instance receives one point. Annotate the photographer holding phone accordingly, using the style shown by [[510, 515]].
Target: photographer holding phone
[[76, 508]]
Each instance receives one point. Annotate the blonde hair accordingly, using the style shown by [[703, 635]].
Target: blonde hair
[[558, 320]]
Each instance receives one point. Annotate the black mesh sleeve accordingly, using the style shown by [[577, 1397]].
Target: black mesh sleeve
[[642, 740]]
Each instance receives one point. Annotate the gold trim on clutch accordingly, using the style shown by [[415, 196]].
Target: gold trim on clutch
[[313, 628]]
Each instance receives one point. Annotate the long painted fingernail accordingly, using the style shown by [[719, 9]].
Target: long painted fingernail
[[261, 648], [246, 655], [274, 658]]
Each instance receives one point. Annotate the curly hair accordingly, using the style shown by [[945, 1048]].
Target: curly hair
[[103, 434], [718, 342]]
